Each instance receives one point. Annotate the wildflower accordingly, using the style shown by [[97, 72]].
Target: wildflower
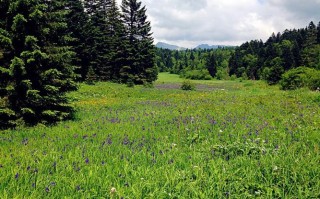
[[113, 190], [16, 176], [275, 168], [87, 160]]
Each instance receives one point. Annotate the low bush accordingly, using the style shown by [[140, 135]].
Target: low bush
[[197, 75], [301, 77], [188, 86]]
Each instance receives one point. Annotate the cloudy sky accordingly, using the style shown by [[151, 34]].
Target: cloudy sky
[[188, 23]]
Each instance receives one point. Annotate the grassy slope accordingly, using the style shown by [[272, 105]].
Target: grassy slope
[[236, 140]]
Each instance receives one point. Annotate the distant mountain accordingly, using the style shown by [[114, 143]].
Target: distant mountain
[[169, 46], [206, 46]]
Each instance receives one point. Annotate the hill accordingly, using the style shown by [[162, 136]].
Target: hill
[[169, 46], [207, 46]]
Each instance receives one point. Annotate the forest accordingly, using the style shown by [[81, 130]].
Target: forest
[[297, 51], [46, 47]]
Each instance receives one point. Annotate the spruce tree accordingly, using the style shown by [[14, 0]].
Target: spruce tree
[[77, 21], [318, 33], [116, 41], [311, 51], [95, 32], [140, 64], [39, 72], [211, 64]]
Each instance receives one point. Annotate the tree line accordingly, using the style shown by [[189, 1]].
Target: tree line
[[47, 46], [195, 63], [280, 53], [256, 60]]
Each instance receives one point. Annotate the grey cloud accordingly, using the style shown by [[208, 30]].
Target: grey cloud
[[232, 22]]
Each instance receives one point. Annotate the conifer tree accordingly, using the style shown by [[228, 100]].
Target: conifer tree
[[39, 73], [95, 32], [140, 64], [318, 35], [115, 41], [311, 52], [77, 21], [211, 64]]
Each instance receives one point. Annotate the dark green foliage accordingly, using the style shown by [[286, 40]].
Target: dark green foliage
[[280, 53], [301, 77], [91, 77], [211, 64], [188, 86], [201, 61], [36, 69], [318, 33], [197, 75], [274, 72], [78, 27], [96, 33], [43, 44], [116, 42], [140, 63]]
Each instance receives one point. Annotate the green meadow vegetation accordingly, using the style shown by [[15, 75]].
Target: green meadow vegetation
[[225, 139]]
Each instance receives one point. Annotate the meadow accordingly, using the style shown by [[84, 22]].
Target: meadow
[[226, 139]]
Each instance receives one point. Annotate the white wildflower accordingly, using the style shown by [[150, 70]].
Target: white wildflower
[[113, 190]]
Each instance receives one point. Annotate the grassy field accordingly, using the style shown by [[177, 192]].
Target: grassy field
[[227, 139]]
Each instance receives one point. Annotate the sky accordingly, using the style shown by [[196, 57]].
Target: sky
[[188, 23]]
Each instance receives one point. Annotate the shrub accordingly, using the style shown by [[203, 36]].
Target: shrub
[[130, 83], [188, 86], [300, 77], [198, 75], [233, 77], [222, 74]]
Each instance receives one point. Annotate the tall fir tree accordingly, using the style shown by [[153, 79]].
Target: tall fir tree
[[115, 39], [39, 72], [77, 20], [95, 32], [311, 51], [211, 64], [318, 34], [140, 64]]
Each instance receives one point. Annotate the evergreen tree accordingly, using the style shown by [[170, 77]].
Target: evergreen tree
[[39, 73], [211, 64], [287, 55], [95, 31], [115, 41], [318, 34], [77, 21], [140, 64], [311, 52], [311, 38], [275, 70]]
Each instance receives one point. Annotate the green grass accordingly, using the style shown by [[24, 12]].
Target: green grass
[[228, 139]]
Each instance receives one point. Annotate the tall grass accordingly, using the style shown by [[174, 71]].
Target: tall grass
[[227, 140]]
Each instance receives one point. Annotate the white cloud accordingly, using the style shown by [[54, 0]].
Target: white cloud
[[191, 22]]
